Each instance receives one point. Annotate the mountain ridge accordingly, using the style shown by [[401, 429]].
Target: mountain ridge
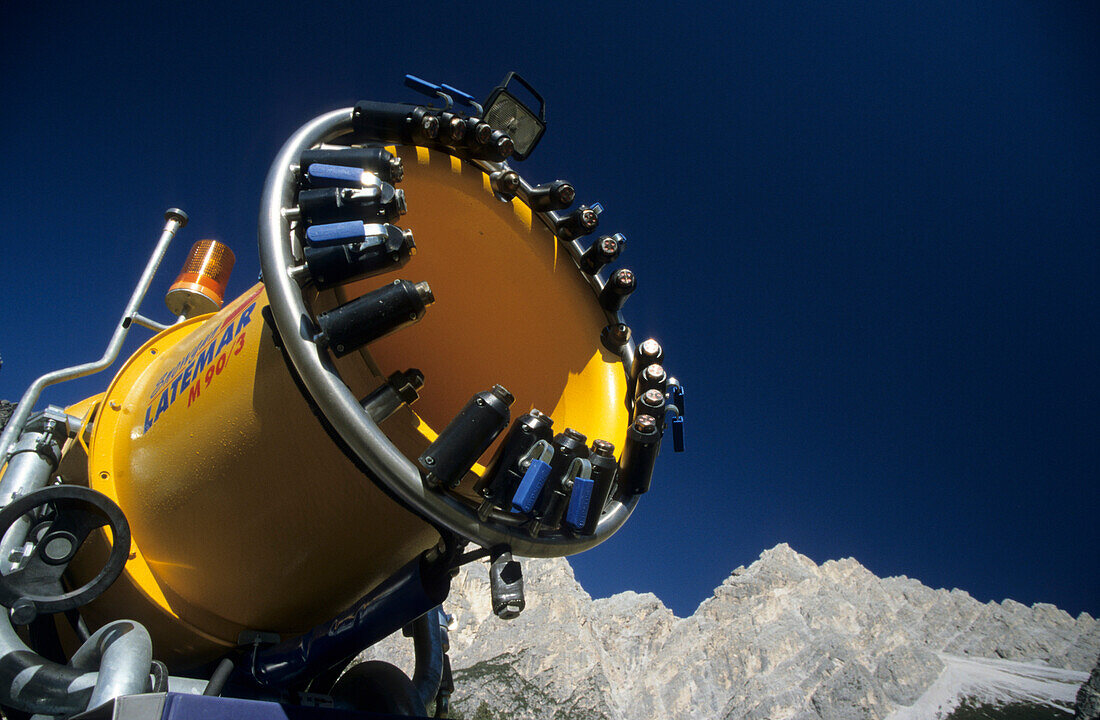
[[783, 638]]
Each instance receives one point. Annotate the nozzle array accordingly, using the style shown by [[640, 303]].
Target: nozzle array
[[347, 204]]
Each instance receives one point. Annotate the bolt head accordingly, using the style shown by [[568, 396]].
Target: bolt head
[[457, 129], [574, 435], [603, 448], [23, 612], [589, 218], [654, 373], [566, 193], [650, 348], [504, 394], [653, 398], [505, 146], [483, 133], [624, 279], [429, 125], [397, 170], [645, 423]]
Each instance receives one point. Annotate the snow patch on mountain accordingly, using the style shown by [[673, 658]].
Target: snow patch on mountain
[[989, 681]]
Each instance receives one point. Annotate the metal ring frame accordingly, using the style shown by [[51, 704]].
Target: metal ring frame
[[342, 409]]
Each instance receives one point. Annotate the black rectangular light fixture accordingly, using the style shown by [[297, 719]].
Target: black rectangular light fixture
[[507, 113]]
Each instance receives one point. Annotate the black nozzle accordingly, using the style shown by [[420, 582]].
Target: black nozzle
[[649, 352], [618, 288], [643, 443], [466, 437], [601, 252], [604, 469], [340, 204], [378, 313], [452, 129], [478, 133], [504, 475], [395, 123], [377, 160], [556, 195], [334, 265], [578, 223], [567, 445], [653, 377], [652, 403]]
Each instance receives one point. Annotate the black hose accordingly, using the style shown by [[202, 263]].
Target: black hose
[[78, 624], [428, 647], [219, 678]]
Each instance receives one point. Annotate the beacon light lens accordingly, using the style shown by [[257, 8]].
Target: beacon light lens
[[200, 286]]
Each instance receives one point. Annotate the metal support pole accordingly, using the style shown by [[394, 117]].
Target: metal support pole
[[174, 220]]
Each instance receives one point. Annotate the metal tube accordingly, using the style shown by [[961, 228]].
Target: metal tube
[[388, 467], [31, 683], [123, 653], [428, 650], [175, 219], [151, 324], [29, 469]]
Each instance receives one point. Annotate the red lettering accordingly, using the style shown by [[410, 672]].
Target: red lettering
[[221, 363], [194, 394], [209, 377], [239, 346]]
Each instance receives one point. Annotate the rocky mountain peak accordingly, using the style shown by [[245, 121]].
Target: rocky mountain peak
[[782, 638]]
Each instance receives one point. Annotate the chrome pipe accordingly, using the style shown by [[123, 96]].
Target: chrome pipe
[[149, 323], [174, 220], [30, 683], [122, 652]]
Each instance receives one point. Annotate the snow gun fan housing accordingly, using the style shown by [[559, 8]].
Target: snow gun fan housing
[[300, 470]]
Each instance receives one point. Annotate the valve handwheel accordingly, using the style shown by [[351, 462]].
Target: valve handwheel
[[62, 517]]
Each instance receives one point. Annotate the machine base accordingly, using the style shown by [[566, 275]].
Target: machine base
[[181, 706]]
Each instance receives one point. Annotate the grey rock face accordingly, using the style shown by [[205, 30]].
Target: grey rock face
[[1088, 697], [7, 409], [784, 638]]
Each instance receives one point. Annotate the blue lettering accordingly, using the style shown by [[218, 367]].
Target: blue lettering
[[246, 317], [161, 406], [227, 338]]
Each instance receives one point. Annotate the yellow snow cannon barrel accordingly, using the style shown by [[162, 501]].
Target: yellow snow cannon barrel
[[266, 455]]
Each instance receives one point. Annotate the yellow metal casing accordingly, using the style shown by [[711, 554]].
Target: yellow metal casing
[[246, 514], [511, 308]]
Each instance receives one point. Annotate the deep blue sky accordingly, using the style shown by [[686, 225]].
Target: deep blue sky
[[867, 234]]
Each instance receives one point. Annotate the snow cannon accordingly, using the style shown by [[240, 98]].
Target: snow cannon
[[433, 370]]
